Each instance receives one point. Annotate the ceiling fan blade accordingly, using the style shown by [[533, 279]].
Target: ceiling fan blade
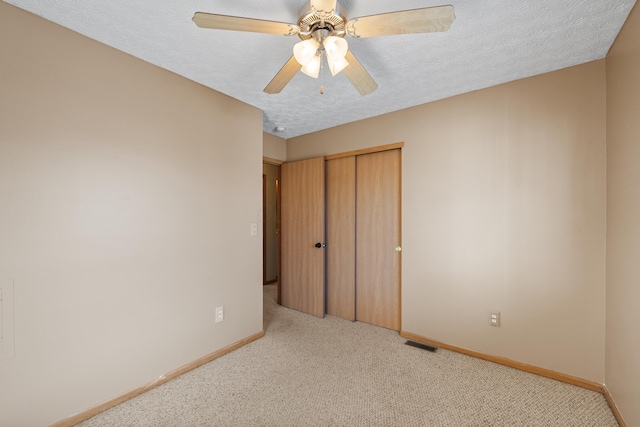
[[283, 77], [358, 76], [236, 23], [425, 20]]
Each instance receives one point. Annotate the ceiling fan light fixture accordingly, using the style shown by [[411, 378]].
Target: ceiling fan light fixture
[[336, 65], [336, 47], [322, 30], [305, 51], [312, 69]]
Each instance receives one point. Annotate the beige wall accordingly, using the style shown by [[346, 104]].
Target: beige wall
[[623, 220], [126, 197], [274, 147], [503, 209]]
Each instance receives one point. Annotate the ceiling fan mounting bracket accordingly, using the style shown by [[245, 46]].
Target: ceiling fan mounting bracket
[[350, 28], [293, 30]]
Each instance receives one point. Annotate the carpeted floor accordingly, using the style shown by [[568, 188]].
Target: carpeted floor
[[308, 371]]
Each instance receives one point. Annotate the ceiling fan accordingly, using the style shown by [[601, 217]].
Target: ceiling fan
[[322, 26]]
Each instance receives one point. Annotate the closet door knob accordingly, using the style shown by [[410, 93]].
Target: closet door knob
[[320, 245]]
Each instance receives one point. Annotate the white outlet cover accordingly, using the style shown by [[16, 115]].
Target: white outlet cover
[[494, 318]]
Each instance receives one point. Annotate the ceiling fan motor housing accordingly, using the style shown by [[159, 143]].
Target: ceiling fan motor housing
[[331, 22]]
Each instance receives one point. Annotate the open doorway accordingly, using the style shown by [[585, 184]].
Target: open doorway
[[270, 226]]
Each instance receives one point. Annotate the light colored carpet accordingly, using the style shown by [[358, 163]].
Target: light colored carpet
[[308, 371]]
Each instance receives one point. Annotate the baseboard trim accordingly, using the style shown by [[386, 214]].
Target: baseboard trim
[[590, 385], [548, 373], [613, 406], [85, 415]]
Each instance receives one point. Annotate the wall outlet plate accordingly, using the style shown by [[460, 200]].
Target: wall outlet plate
[[219, 314], [494, 319]]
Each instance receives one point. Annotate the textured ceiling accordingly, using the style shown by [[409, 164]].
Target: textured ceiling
[[490, 42]]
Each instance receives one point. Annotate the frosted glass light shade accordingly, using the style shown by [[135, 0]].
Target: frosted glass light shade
[[335, 66], [305, 51], [335, 47], [312, 68]]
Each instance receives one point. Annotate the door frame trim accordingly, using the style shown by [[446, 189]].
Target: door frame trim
[[369, 150]]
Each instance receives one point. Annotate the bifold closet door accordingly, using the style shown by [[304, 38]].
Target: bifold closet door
[[302, 228], [378, 184], [341, 237]]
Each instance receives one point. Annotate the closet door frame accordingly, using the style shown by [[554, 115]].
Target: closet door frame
[[377, 149]]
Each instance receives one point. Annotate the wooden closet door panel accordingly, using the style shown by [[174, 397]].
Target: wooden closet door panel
[[378, 235], [341, 237], [302, 226]]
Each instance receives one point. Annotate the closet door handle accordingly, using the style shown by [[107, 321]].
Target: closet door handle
[[320, 245]]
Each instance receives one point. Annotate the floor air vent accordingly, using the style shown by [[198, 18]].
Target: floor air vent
[[422, 346]]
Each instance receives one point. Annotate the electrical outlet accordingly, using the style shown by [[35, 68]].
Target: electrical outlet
[[219, 314], [494, 318], [254, 228]]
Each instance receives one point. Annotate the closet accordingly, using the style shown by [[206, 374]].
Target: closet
[[341, 236]]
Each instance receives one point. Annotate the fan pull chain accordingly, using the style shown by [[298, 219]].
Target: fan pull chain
[[322, 57]]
